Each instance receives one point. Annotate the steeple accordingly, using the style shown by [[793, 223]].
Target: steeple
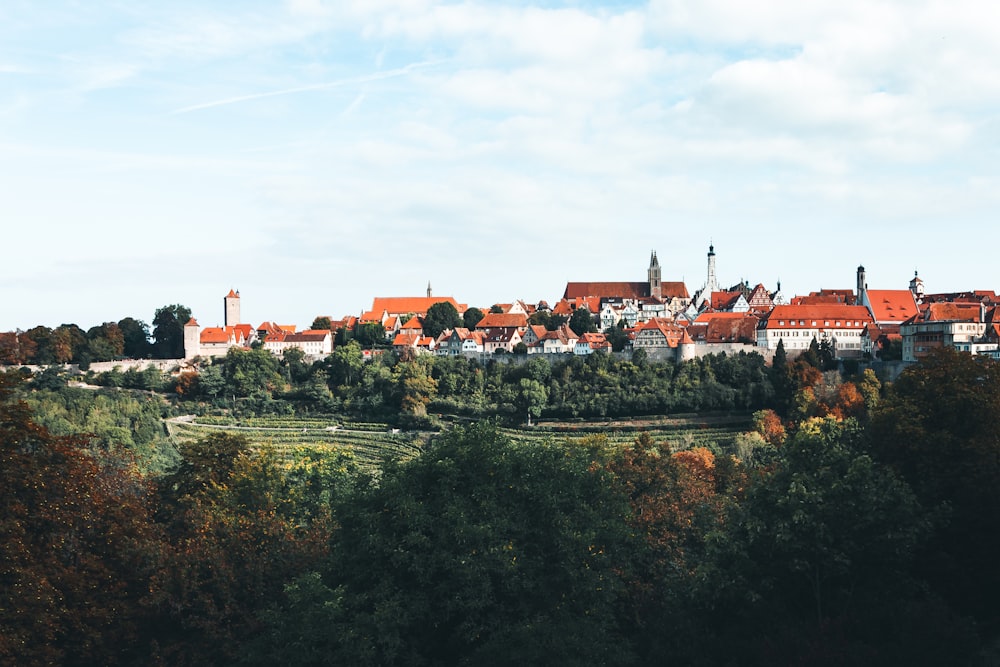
[[917, 288], [655, 282], [862, 287], [711, 282], [429, 294]]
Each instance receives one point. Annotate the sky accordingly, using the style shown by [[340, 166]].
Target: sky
[[314, 155]]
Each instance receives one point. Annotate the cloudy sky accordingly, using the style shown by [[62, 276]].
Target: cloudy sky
[[316, 154]]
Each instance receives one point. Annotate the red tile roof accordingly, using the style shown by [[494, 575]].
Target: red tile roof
[[625, 290], [494, 320], [404, 305], [804, 316], [892, 305]]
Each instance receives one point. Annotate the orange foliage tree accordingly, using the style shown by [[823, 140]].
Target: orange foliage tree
[[75, 537]]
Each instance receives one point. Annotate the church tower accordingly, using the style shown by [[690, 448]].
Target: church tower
[[711, 282], [862, 287], [429, 294], [655, 282], [917, 288], [231, 316]]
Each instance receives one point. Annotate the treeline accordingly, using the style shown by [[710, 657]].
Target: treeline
[[129, 338], [862, 539], [413, 390]]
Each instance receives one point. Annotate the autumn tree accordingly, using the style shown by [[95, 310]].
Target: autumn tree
[[236, 536], [75, 538]]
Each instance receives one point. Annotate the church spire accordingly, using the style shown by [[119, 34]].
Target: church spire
[[655, 282], [429, 294]]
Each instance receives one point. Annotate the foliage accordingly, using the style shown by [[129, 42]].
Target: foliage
[[168, 331], [322, 322], [74, 530], [471, 317], [582, 321], [440, 316], [477, 552], [938, 429]]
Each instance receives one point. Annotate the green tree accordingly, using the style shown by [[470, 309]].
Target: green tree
[[135, 335], [440, 316], [480, 552], [531, 398], [249, 372], [168, 331], [471, 317], [582, 321], [370, 334], [322, 322], [937, 428]]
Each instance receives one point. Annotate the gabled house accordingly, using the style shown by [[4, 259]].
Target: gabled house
[[492, 321], [502, 338], [589, 343]]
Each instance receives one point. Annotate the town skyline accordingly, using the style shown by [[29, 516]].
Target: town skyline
[[317, 154]]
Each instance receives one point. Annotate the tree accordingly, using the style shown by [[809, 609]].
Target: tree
[[370, 334], [75, 541], [937, 428], [471, 317], [616, 336], [106, 342], [135, 335], [817, 559], [440, 316], [168, 331], [480, 551], [531, 398], [582, 321], [322, 322]]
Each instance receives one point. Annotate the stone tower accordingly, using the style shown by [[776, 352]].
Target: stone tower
[[231, 316], [655, 282], [192, 339]]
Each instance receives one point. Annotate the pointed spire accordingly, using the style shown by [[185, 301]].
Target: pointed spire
[[429, 293]]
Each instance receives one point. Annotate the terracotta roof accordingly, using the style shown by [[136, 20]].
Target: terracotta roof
[[944, 312], [493, 320], [232, 294], [795, 316], [725, 300], [215, 335], [732, 330], [418, 305], [705, 318], [192, 323], [892, 305], [412, 324], [627, 290], [826, 296]]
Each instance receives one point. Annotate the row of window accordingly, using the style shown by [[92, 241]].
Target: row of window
[[826, 323]]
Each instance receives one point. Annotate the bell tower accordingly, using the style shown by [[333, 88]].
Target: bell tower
[[655, 282]]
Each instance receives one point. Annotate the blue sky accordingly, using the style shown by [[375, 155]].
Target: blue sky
[[314, 155]]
